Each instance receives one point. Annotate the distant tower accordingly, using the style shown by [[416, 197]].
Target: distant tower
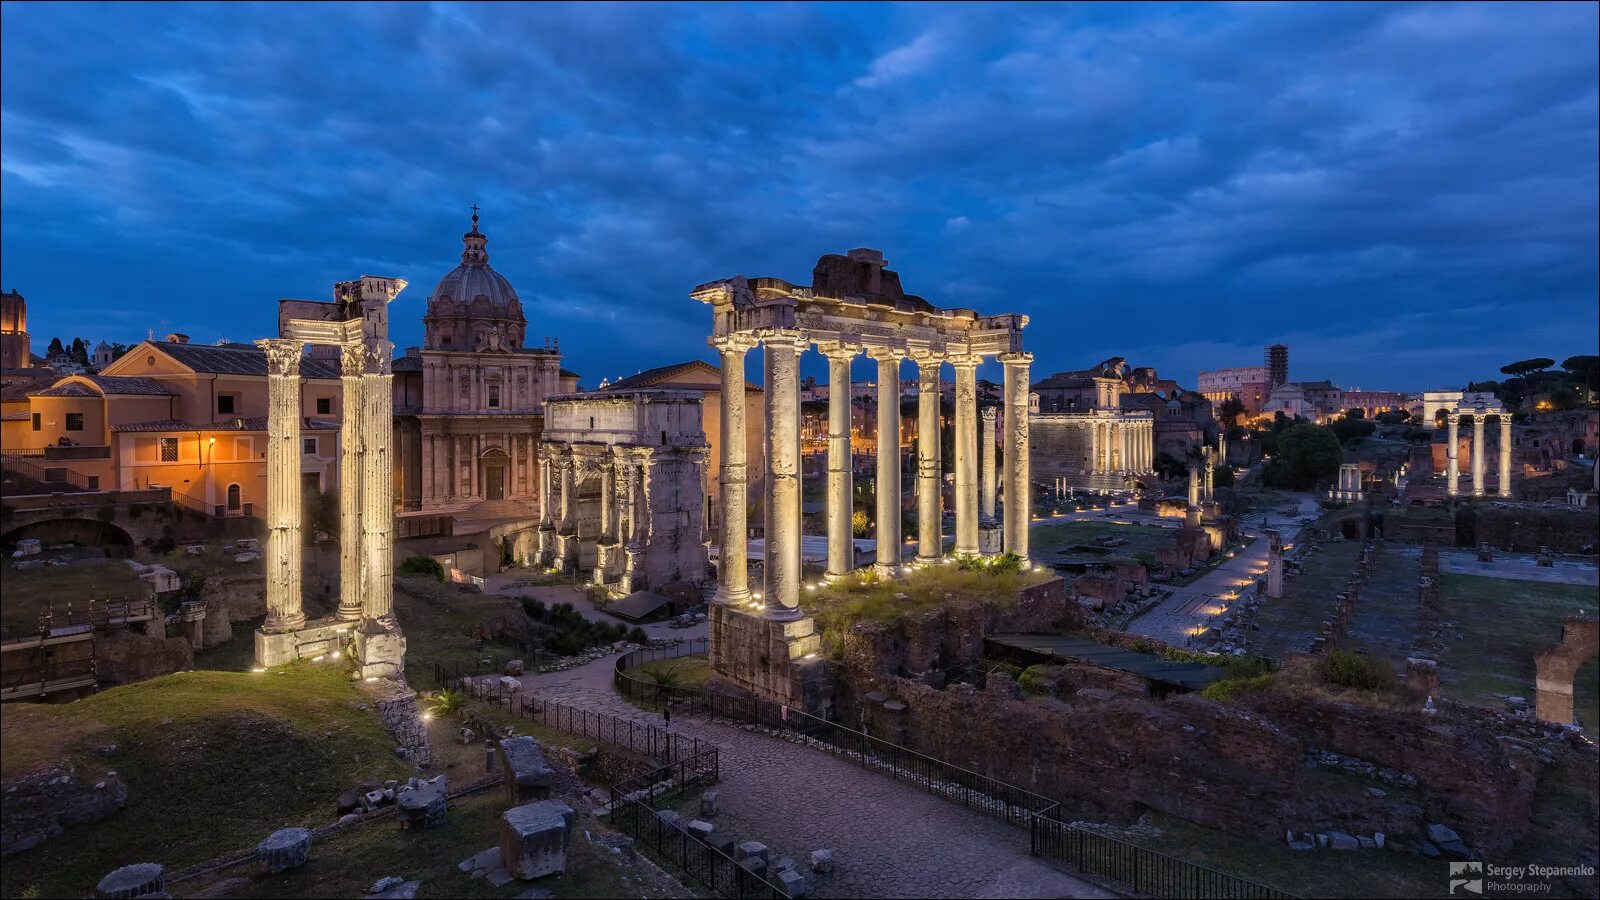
[[103, 355], [15, 348], [1278, 364]]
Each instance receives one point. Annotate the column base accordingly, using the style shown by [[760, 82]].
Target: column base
[[777, 660], [888, 571], [990, 540], [274, 648], [380, 650]]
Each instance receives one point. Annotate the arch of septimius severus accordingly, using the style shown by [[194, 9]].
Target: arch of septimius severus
[[854, 305], [357, 322]]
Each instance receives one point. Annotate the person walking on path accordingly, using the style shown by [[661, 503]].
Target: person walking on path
[[666, 714]]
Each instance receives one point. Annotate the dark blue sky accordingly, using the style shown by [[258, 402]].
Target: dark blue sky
[[1406, 195]]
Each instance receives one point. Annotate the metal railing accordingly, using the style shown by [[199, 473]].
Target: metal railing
[[1145, 871], [45, 678], [47, 475], [669, 844], [1148, 872]]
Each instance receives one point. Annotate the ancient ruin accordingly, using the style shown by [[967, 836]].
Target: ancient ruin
[[624, 474], [854, 305], [357, 322], [1555, 668], [1456, 405]]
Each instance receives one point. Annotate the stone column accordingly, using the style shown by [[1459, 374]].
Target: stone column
[[352, 362], [284, 609], [733, 585], [1452, 466], [1505, 454], [605, 550], [1477, 454], [1210, 474], [986, 485], [1222, 448], [888, 476], [377, 486], [1018, 485], [1146, 446], [930, 540], [966, 467], [781, 573], [1194, 485], [1274, 565], [841, 548], [569, 523]]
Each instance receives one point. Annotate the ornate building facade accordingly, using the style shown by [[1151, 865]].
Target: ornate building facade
[[469, 403], [1083, 435]]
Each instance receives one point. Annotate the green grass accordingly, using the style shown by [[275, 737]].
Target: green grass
[[1503, 624], [236, 655], [213, 762], [442, 622], [863, 597], [28, 593], [347, 862], [686, 672], [1290, 622]]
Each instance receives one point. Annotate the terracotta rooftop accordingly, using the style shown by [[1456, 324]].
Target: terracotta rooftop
[[236, 359], [654, 377]]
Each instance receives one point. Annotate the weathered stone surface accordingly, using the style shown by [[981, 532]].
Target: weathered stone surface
[[701, 829], [401, 890], [136, 880], [37, 806], [527, 775], [286, 848], [514, 668], [792, 883], [747, 849], [1339, 840], [534, 838], [822, 860], [708, 804], [423, 804], [1441, 834]]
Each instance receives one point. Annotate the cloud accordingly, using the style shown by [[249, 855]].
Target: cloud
[[1178, 185]]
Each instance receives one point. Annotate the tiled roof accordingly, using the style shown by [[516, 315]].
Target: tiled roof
[[655, 377], [236, 359], [70, 389], [568, 373], [406, 364], [108, 384]]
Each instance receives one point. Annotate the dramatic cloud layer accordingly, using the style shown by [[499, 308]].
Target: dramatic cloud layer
[[1406, 195]]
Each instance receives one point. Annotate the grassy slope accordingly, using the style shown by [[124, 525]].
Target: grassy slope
[[213, 761], [1385, 620], [29, 592], [1505, 622], [442, 623]]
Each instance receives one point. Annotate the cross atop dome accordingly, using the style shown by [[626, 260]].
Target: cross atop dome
[[475, 254]]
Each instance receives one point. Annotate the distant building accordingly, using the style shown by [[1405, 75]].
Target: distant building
[[1250, 385], [1372, 402], [1315, 401], [1277, 362], [15, 345]]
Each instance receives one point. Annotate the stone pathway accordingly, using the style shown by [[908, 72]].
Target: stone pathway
[[889, 839], [1518, 567], [1194, 604]]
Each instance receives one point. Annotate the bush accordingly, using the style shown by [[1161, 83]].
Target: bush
[[1351, 669], [638, 635], [1035, 680], [1230, 689], [534, 608], [421, 565]]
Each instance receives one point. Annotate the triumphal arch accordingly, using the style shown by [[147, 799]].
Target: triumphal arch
[[762, 639], [357, 322]]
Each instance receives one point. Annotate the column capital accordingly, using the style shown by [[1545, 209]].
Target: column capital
[[736, 342], [379, 356], [883, 352], [1018, 358], [836, 349], [989, 414], [965, 360], [783, 337], [283, 355]]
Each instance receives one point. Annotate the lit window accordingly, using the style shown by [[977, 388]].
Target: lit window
[[74, 421], [169, 449]]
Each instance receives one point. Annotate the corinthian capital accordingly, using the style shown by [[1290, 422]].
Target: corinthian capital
[[283, 356], [736, 342], [379, 357], [352, 359], [1016, 359]]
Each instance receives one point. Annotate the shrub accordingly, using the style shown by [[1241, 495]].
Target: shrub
[[1035, 680], [534, 608], [448, 703], [421, 565], [1350, 669], [1230, 689], [638, 635]]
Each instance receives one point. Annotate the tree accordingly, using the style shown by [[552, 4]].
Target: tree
[[1355, 413], [1167, 466], [1524, 366], [1584, 368], [1394, 417], [80, 350], [55, 348], [1230, 410], [1349, 430], [118, 350], [1306, 454]]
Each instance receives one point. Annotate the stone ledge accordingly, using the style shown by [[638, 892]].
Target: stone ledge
[[315, 639]]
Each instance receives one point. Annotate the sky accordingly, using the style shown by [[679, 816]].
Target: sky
[[1403, 194]]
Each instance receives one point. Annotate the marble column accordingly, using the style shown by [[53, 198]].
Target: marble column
[[733, 584], [986, 486], [966, 447], [568, 524], [1477, 454], [284, 609], [1222, 448], [1018, 484], [888, 476], [352, 362], [930, 540], [1452, 476], [1210, 474], [377, 486], [607, 543], [781, 573], [841, 496], [1505, 454], [1274, 565], [1194, 485]]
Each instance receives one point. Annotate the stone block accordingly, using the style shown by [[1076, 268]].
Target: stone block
[[534, 838], [405, 890], [670, 819], [822, 860], [136, 880], [527, 775], [708, 804], [748, 849], [1440, 834], [510, 685], [792, 883], [286, 848], [380, 651], [514, 667], [1338, 840], [424, 804], [701, 829]]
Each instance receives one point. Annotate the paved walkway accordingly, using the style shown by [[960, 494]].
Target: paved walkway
[[1194, 605], [506, 584], [1519, 567], [889, 839]]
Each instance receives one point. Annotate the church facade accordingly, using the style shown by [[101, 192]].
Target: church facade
[[469, 403]]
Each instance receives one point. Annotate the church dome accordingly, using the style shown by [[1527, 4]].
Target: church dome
[[474, 307]]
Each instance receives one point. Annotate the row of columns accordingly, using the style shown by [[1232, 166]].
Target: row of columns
[[782, 349], [624, 498], [366, 485], [1452, 453], [1121, 445]]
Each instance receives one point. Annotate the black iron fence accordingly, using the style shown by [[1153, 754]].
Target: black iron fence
[[665, 840], [1144, 870], [1147, 872]]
